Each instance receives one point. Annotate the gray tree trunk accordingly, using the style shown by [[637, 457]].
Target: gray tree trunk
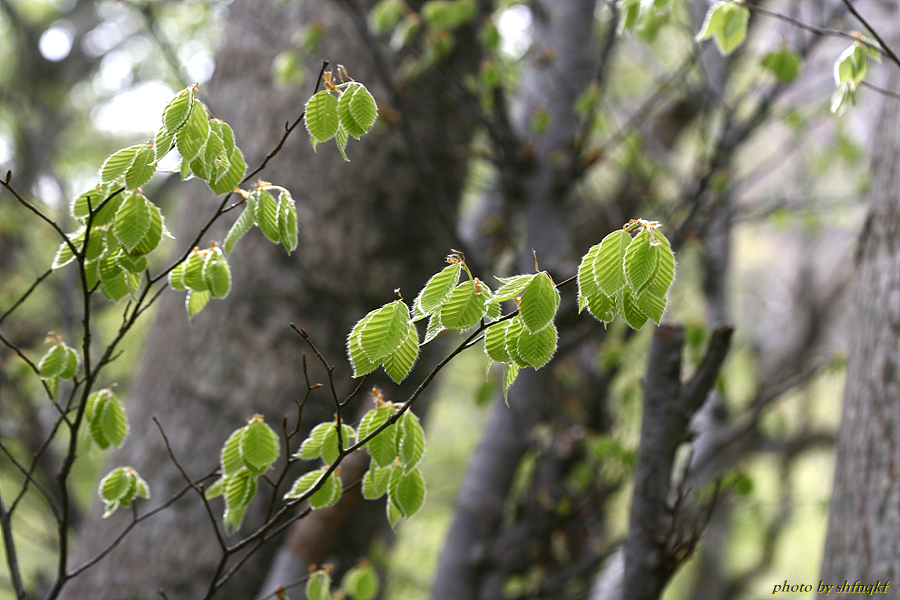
[[863, 541], [366, 228]]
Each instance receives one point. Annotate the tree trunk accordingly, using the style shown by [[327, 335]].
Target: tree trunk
[[864, 519], [366, 228]]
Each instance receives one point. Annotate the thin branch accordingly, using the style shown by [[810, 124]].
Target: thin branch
[[27, 293], [12, 555], [884, 47]]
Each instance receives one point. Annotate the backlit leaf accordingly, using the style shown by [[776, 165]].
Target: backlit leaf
[[259, 446], [375, 482], [322, 116], [195, 302], [132, 220], [537, 348], [192, 137], [287, 222], [382, 447], [178, 110], [142, 169], [318, 586], [118, 163], [385, 331], [216, 273], [540, 299], [641, 262], [609, 265], [230, 457], [410, 440], [407, 491], [438, 289], [400, 362], [495, 342], [360, 362], [267, 215], [241, 226], [465, 307]]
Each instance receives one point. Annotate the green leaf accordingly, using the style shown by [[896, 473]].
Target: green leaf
[[117, 164], [142, 169], [132, 220], [54, 361], [587, 277], [382, 447], [192, 137], [340, 139], [304, 483], [438, 289], [410, 440], [111, 421], [114, 485], [216, 489], [71, 364], [64, 254], [163, 143], [539, 302], [360, 362], [641, 262], [52, 384], [195, 302], [259, 446], [407, 491], [385, 15], [130, 263], [511, 287], [154, 233], [537, 348], [357, 110], [727, 23], [609, 265], [117, 288], [239, 491], [329, 494], [176, 277], [602, 307], [784, 64], [216, 274], [241, 226], [178, 110], [375, 481], [311, 448], [510, 371], [400, 362], [267, 215], [230, 457], [318, 586], [629, 309], [495, 342], [330, 452], [193, 271], [465, 307], [434, 328], [385, 331], [345, 115], [322, 117], [360, 582], [287, 222], [513, 332]]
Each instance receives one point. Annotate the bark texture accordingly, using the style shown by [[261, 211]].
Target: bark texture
[[863, 541], [366, 228]]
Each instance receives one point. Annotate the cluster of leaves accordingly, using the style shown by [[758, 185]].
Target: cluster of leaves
[[340, 111], [106, 419], [726, 23], [121, 487], [644, 17], [358, 583], [247, 454], [628, 275], [59, 362]]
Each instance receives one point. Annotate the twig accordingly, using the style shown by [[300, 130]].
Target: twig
[[884, 47], [12, 556], [27, 293]]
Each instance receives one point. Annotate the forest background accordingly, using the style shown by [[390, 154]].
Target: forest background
[[513, 132]]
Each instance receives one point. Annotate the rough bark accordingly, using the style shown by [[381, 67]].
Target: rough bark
[[864, 519], [366, 228]]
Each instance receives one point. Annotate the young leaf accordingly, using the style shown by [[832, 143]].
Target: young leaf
[[537, 348], [193, 271], [357, 110], [259, 446], [587, 277], [609, 265], [361, 363], [142, 168], [407, 491], [329, 494], [375, 481], [163, 143], [330, 450], [410, 440], [239, 491], [382, 447], [287, 222], [304, 483], [216, 274], [495, 342], [230, 457], [111, 421], [400, 362], [510, 371], [387, 329], [112, 488], [192, 137], [511, 287], [54, 361], [513, 332], [321, 117], [360, 582], [241, 226], [318, 586], [117, 288], [629, 309], [311, 448], [437, 290], [602, 307], [465, 306], [154, 233], [117, 164], [641, 262], [178, 110], [195, 302], [727, 22], [132, 220], [434, 328], [539, 302], [267, 215], [784, 64]]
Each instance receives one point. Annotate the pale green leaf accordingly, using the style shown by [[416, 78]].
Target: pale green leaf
[[602, 307], [407, 491], [641, 262], [132, 220], [438, 289], [539, 302], [193, 271], [112, 421], [318, 586], [340, 139], [267, 215], [114, 485], [241, 226], [142, 168], [375, 481], [511, 287], [163, 143], [192, 137], [382, 447], [328, 494], [510, 371], [230, 457], [609, 265], [330, 452], [239, 491], [537, 348], [587, 277], [363, 109], [216, 273], [465, 307], [154, 233], [434, 328], [495, 342], [360, 582], [360, 362], [117, 164], [178, 110], [259, 446], [387, 329], [117, 288], [630, 311], [410, 440], [348, 122], [400, 362], [54, 361], [513, 332], [71, 364], [311, 448], [321, 116], [287, 222], [195, 302]]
